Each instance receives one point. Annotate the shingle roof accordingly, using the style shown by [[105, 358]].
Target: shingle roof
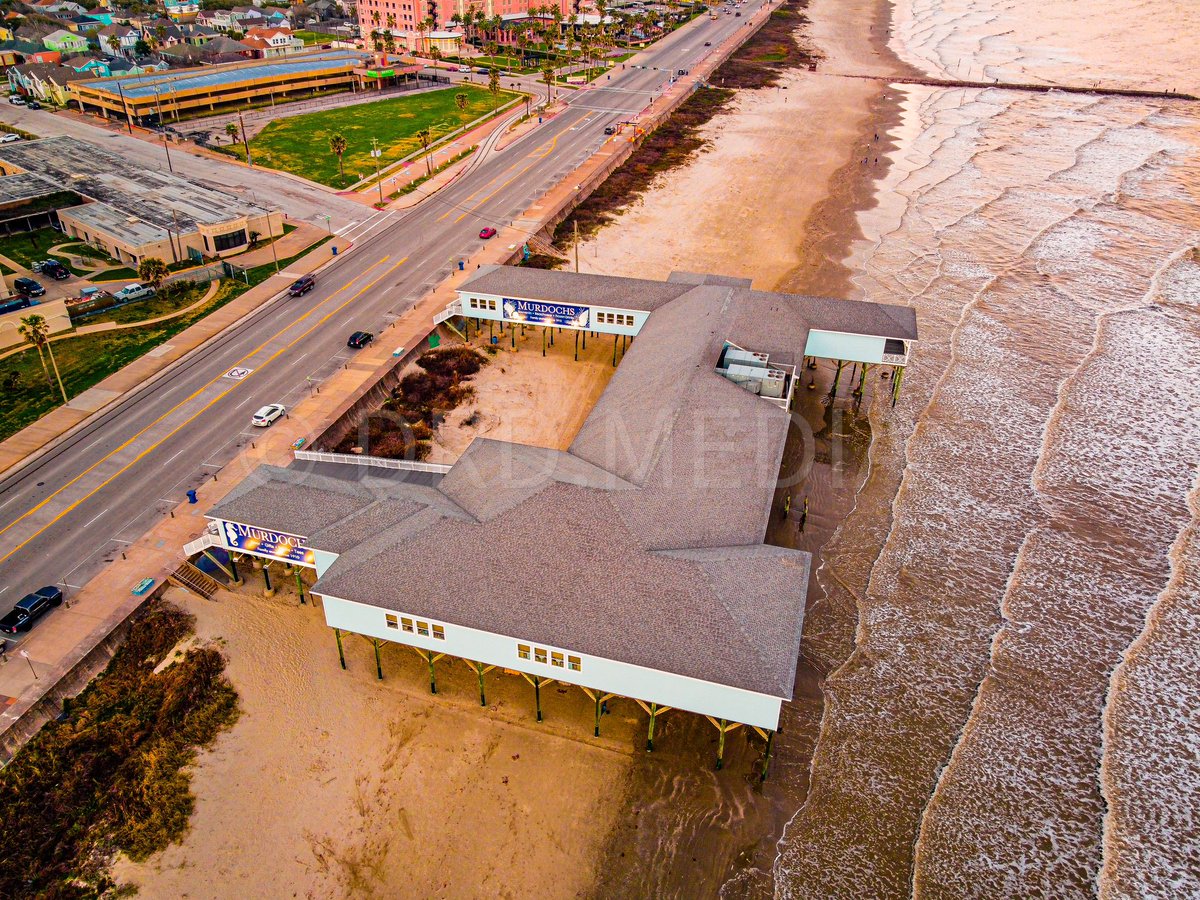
[[597, 290], [644, 542]]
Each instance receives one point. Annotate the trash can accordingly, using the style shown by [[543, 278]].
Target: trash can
[[191, 495], [335, 250]]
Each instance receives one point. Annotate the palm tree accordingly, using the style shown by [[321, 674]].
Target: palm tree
[[160, 32], [376, 18], [114, 44], [232, 130], [152, 270], [389, 42], [461, 100], [35, 331], [377, 40], [337, 145], [494, 85], [548, 77], [435, 53], [425, 136]]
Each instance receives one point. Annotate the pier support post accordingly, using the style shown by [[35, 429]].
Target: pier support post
[[268, 590], [650, 731], [897, 377], [767, 755], [614, 351], [576, 345], [480, 670], [721, 747], [341, 653], [300, 586], [378, 663], [233, 572], [837, 376], [543, 342], [537, 696], [432, 675]]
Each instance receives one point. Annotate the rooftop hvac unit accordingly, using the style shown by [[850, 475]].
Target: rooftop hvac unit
[[774, 384], [736, 354]]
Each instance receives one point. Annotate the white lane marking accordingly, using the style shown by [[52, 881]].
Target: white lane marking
[[173, 455], [95, 442], [243, 403], [345, 227], [95, 517], [5, 588]]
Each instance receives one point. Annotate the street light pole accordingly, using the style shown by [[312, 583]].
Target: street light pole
[[375, 153]]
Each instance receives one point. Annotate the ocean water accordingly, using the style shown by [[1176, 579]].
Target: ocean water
[[1019, 715]]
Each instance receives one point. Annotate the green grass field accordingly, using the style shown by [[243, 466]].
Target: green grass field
[[300, 144], [313, 37], [27, 247]]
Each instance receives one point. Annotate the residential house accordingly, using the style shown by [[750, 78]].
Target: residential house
[[161, 33], [126, 39], [65, 42], [13, 52], [273, 42], [101, 15], [197, 35], [45, 81], [6, 32], [89, 65], [49, 7], [181, 9]]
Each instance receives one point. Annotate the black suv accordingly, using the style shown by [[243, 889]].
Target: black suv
[[27, 287], [30, 608], [360, 339], [302, 285]]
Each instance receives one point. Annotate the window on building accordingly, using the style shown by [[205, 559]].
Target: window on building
[[539, 655], [407, 623], [422, 628], [230, 240], [491, 304], [439, 632], [556, 659], [392, 621], [523, 651], [574, 664]]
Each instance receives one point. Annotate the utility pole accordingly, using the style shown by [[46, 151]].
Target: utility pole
[[167, 148], [245, 143], [125, 106], [275, 256], [576, 246]]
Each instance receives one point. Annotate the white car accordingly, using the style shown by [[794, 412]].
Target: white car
[[134, 291], [268, 414], [464, 69], [16, 100], [9, 138]]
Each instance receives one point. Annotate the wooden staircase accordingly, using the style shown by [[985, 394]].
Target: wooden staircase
[[189, 577]]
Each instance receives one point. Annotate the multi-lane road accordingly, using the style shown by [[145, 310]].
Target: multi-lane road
[[63, 514]]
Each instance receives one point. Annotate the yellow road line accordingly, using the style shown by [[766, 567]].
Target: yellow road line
[[187, 399]]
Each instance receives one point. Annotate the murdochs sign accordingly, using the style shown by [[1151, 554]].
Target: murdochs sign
[[264, 542], [536, 312]]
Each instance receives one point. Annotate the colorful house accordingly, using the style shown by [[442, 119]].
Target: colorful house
[[65, 42]]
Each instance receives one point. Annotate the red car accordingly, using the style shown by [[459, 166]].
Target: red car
[[487, 233]]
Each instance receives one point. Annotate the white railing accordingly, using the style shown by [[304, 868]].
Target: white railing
[[895, 359], [453, 309], [361, 459], [201, 544]]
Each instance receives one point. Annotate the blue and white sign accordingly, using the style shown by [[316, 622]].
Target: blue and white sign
[[264, 542], [538, 312]]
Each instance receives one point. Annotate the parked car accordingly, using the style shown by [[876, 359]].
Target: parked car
[[464, 68], [488, 232], [30, 608], [302, 285], [56, 270], [16, 100], [134, 291], [28, 287], [33, 104], [360, 339], [9, 138], [610, 129], [708, 43], [268, 414]]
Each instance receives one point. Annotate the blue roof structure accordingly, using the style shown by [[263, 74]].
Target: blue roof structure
[[209, 77]]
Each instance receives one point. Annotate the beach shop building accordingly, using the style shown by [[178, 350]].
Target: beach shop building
[[632, 564]]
